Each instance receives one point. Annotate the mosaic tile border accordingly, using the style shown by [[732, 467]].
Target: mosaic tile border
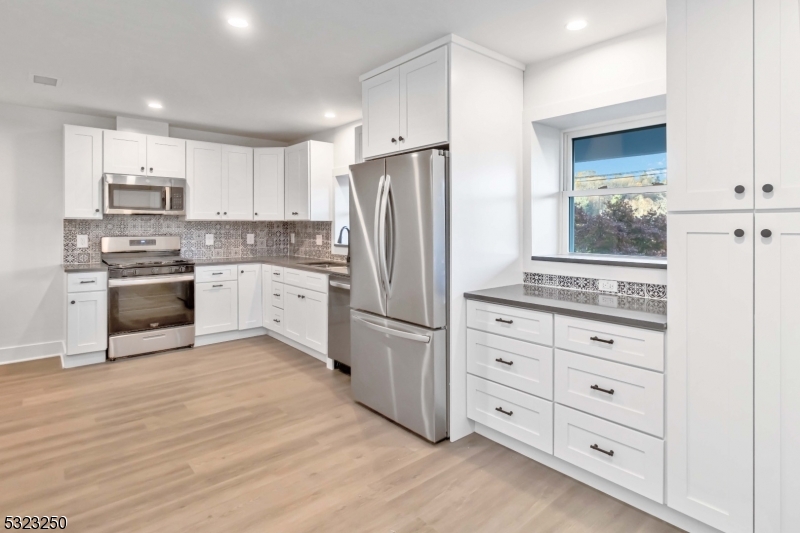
[[653, 291]]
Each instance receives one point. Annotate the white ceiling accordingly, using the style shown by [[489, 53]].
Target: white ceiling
[[276, 78]]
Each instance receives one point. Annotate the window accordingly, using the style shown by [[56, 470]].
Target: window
[[616, 191]]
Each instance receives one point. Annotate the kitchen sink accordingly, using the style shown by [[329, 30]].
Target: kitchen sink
[[328, 265]]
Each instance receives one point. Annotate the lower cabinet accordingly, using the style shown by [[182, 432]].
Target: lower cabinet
[[305, 315], [87, 322], [250, 296], [216, 307]]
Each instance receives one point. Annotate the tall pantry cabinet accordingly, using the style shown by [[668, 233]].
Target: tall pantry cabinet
[[733, 397]]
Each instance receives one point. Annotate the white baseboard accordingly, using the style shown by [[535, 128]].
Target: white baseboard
[[305, 349], [647, 505], [225, 336], [91, 358], [29, 352]]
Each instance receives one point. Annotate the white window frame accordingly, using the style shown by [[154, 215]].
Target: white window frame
[[566, 173]]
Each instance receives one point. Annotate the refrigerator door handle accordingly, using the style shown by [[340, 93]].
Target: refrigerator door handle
[[382, 250], [377, 229], [396, 332]]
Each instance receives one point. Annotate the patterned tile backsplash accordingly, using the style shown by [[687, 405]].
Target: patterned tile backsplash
[[230, 238], [626, 288]]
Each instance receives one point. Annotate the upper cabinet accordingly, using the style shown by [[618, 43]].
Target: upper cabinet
[[268, 181], [237, 183], [137, 154], [309, 175], [83, 172], [405, 107], [710, 104], [219, 179]]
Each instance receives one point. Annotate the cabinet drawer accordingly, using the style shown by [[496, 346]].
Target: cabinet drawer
[[631, 459], [274, 319], [313, 281], [524, 417], [276, 295], [624, 344], [206, 274], [277, 273], [624, 394], [521, 365], [523, 324], [87, 282]]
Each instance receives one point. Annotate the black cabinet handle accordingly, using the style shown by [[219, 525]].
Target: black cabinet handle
[[607, 391], [501, 360], [595, 447], [767, 187], [151, 169], [242, 271], [218, 212], [295, 213], [88, 281], [256, 214], [142, 169], [739, 189], [277, 295], [598, 339], [96, 210], [225, 213], [73, 302], [215, 286], [276, 273], [766, 233], [503, 321], [400, 139], [507, 413], [739, 233], [216, 273], [394, 140], [276, 320]]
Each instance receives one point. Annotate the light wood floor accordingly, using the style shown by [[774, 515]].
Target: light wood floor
[[255, 436]]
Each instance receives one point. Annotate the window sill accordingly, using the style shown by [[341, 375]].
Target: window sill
[[605, 260]]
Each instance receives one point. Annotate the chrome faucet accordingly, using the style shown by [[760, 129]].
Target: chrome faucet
[[339, 240]]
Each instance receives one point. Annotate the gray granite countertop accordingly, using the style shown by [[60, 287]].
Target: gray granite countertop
[[85, 267], [624, 310]]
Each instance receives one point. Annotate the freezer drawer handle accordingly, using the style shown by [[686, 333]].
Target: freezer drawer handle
[[597, 448], [607, 391], [508, 413], [503, 321], [501, 360], [396, 332], [598, 339]]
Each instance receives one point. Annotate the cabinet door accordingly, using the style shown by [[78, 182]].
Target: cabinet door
[[266, 294], [777, 103], [250, 307], [294, 318], [423, 100], [380, 106], [83, 172], [166, 157], [297, 182], [316, 314], [87, 322], [268, 180], [237, 183], [777, 368], [710, 369], [710, 111], [124, 153], [216, 307], [204, 180]]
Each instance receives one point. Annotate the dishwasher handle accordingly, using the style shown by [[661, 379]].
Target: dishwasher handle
[[340, 285]]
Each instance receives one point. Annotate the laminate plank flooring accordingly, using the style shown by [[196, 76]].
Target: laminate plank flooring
[[253, 435]]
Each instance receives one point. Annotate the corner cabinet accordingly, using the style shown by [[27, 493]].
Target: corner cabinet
[[309, 181], [406, 107], [268, 184], [83, 172], [219, 179]]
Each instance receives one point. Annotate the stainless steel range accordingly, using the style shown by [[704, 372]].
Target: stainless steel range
[[150, 295]]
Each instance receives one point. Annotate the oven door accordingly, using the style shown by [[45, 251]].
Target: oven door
[[150, 303], [137, 195]]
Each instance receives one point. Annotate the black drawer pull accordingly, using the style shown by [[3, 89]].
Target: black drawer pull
[[215, 286], [276, 320], [216, 273], [88, 281], [607, 391], [503, 321], [501, 360], [598, 339], [508, 413], [277, 295], [597, 448]]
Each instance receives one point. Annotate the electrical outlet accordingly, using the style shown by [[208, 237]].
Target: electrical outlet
[[209, 239], [251, 238], [83, 241], [319, 240], [291, 238], [607, 285]]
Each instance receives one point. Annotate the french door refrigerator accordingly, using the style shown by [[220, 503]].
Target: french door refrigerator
[[398, 289]]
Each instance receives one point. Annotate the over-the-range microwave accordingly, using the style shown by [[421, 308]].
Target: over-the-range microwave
[[143, 195]]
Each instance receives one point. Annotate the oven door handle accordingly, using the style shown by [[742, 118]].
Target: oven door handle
[[151, 280]]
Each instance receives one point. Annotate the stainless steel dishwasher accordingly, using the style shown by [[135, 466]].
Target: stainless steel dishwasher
[[339, 322]]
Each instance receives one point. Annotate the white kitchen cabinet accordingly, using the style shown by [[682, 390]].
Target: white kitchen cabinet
[[87, 322], [166, 157], [777, 373], [216, 307], [777, 104], [305, 317], [710, 111], [237, 183], [124, 152], [203, 180], [710, 369], [380, 106], [308, 181], [250, 296], [83, 172], [268, 183]]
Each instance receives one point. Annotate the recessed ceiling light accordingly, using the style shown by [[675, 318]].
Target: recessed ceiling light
[[576, 25], [330, 114], [238, 23], [155, 105]]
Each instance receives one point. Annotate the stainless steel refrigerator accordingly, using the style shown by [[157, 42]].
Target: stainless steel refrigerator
[[398, 294]]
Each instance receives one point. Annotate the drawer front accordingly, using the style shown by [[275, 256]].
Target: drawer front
[[517, 364], [274, 320], [524, 417], [620, 393], [637, 462], [623, 344], [87, 282], [294, 277], [276, 295], [315, 281], [523, 324], [277, 273], [206, 274]]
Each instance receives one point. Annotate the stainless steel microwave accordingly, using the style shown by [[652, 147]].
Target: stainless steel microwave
[[143, 195]]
